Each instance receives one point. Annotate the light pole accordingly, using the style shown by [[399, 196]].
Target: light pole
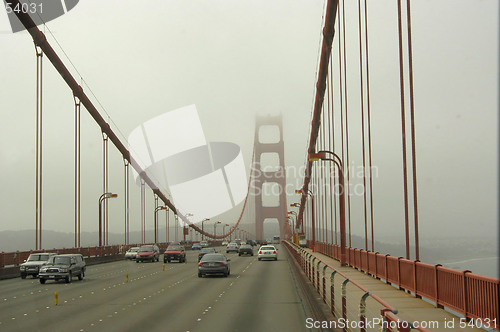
[[167, 231], [185, 230], [295, 223], [224, 230], [313, 221], [101, 199], [215, 230], [202, 227], [156, 220], [297, 217], [322, 155]]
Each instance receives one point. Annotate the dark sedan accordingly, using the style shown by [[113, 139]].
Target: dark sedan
[[245, 249], [196, 246], [214, 264], [204, 251]]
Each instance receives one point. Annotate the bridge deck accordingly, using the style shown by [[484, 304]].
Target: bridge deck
[[410, 308]]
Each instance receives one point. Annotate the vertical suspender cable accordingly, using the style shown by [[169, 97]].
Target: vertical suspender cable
[[331, 147], [127, 200], [346, 189], [77, 171], [403, 130], [412, 124], [143, 203], [341, 81], [362, 122], [105, 183], [38, 167], [369, 125], [322, 165]]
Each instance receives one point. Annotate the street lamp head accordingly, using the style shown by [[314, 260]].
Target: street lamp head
[[317, 156], [295, 204], [298, 191], [110, 195]]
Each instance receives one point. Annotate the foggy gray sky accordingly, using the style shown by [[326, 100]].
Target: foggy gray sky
[[235, 58]]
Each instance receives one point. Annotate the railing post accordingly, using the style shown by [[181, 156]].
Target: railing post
[[382, 316], [464, 297], [2, 260], [362, 312], [437, 286], [386, 270], [344, 300], [399, 274], [312, 272], [308, 266], [324, 283], [332, 292], [415, 284], [317, 277]]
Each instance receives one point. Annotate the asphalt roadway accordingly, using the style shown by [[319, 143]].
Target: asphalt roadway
[[257, 296]]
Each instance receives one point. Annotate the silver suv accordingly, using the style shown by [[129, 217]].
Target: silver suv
[[32, 265], [63, 267]]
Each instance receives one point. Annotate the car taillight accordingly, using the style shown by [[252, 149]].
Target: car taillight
[[260, 252], [200, 264], [227, 247], [222, 264], [236, 247], [274, 252]]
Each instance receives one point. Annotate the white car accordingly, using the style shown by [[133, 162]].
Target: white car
[[131, 253], [233, 246], [268, 252], [204, 244]]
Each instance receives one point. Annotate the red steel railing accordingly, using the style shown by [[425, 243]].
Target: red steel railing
[[472, 295]]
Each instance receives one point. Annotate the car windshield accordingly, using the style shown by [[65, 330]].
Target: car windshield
[[38, 257], [213, 258], [60, 260], [267, 248], [172, 248], [246, 246], [233, 244], [207, 250], [133, 249], [146, 249]]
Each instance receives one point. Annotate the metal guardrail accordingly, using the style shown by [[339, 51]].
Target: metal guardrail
[[18, 257], [472, 295]]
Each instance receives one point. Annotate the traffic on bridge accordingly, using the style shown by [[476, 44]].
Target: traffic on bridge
[[247, 166]]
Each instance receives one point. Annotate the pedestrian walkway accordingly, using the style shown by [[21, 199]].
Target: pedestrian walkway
[[351, 300]]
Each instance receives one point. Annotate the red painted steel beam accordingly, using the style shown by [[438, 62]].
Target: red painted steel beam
[[326, 49], [41, 41]]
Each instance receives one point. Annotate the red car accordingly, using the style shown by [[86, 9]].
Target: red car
[[148, 253], [174, 253]]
